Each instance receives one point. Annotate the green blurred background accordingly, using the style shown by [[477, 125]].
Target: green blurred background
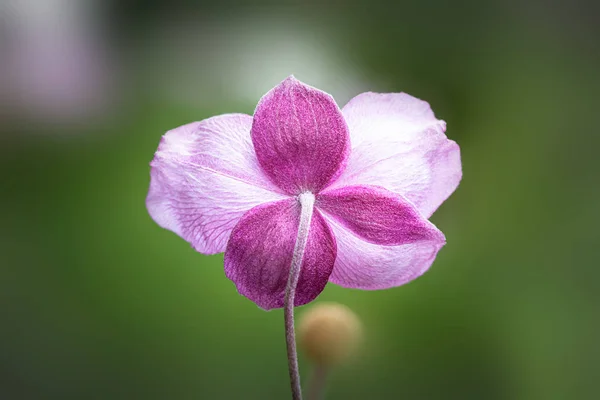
[[98, 302]]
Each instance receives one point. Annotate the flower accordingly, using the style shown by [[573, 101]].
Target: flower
[[343, 193]]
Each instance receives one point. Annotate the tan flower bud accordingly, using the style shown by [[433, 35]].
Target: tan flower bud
[[329, 333]]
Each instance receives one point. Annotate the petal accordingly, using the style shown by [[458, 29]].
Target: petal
[[377, 215], [204, 177], [368, 266], [397, 143], [259, 254], [300, 137]]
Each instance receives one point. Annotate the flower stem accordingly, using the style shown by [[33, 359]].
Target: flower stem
[[307, 201], [317, 383]]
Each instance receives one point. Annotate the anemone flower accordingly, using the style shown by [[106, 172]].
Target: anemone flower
[[304, 193]]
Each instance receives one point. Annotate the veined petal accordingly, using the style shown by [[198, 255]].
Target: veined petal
[[260, 249], [300, 137], [204, 177], [377, 215], [397, 143], [368, 266]]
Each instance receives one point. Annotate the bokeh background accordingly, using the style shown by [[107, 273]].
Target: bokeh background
[[98, 302]]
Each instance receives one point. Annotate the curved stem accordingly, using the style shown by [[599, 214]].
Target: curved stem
[[307, 201]]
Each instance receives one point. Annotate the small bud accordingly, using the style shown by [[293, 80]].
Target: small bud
[[329, 333]]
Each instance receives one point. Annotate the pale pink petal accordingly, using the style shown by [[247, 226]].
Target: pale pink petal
[[363, 265], [377, 215], [204, 177], [397, 143], [259, 254], [300, 137]]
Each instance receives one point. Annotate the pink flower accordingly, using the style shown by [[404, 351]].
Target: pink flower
[[344, 194]]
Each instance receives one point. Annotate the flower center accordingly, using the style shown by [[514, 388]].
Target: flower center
[[306, 199]]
